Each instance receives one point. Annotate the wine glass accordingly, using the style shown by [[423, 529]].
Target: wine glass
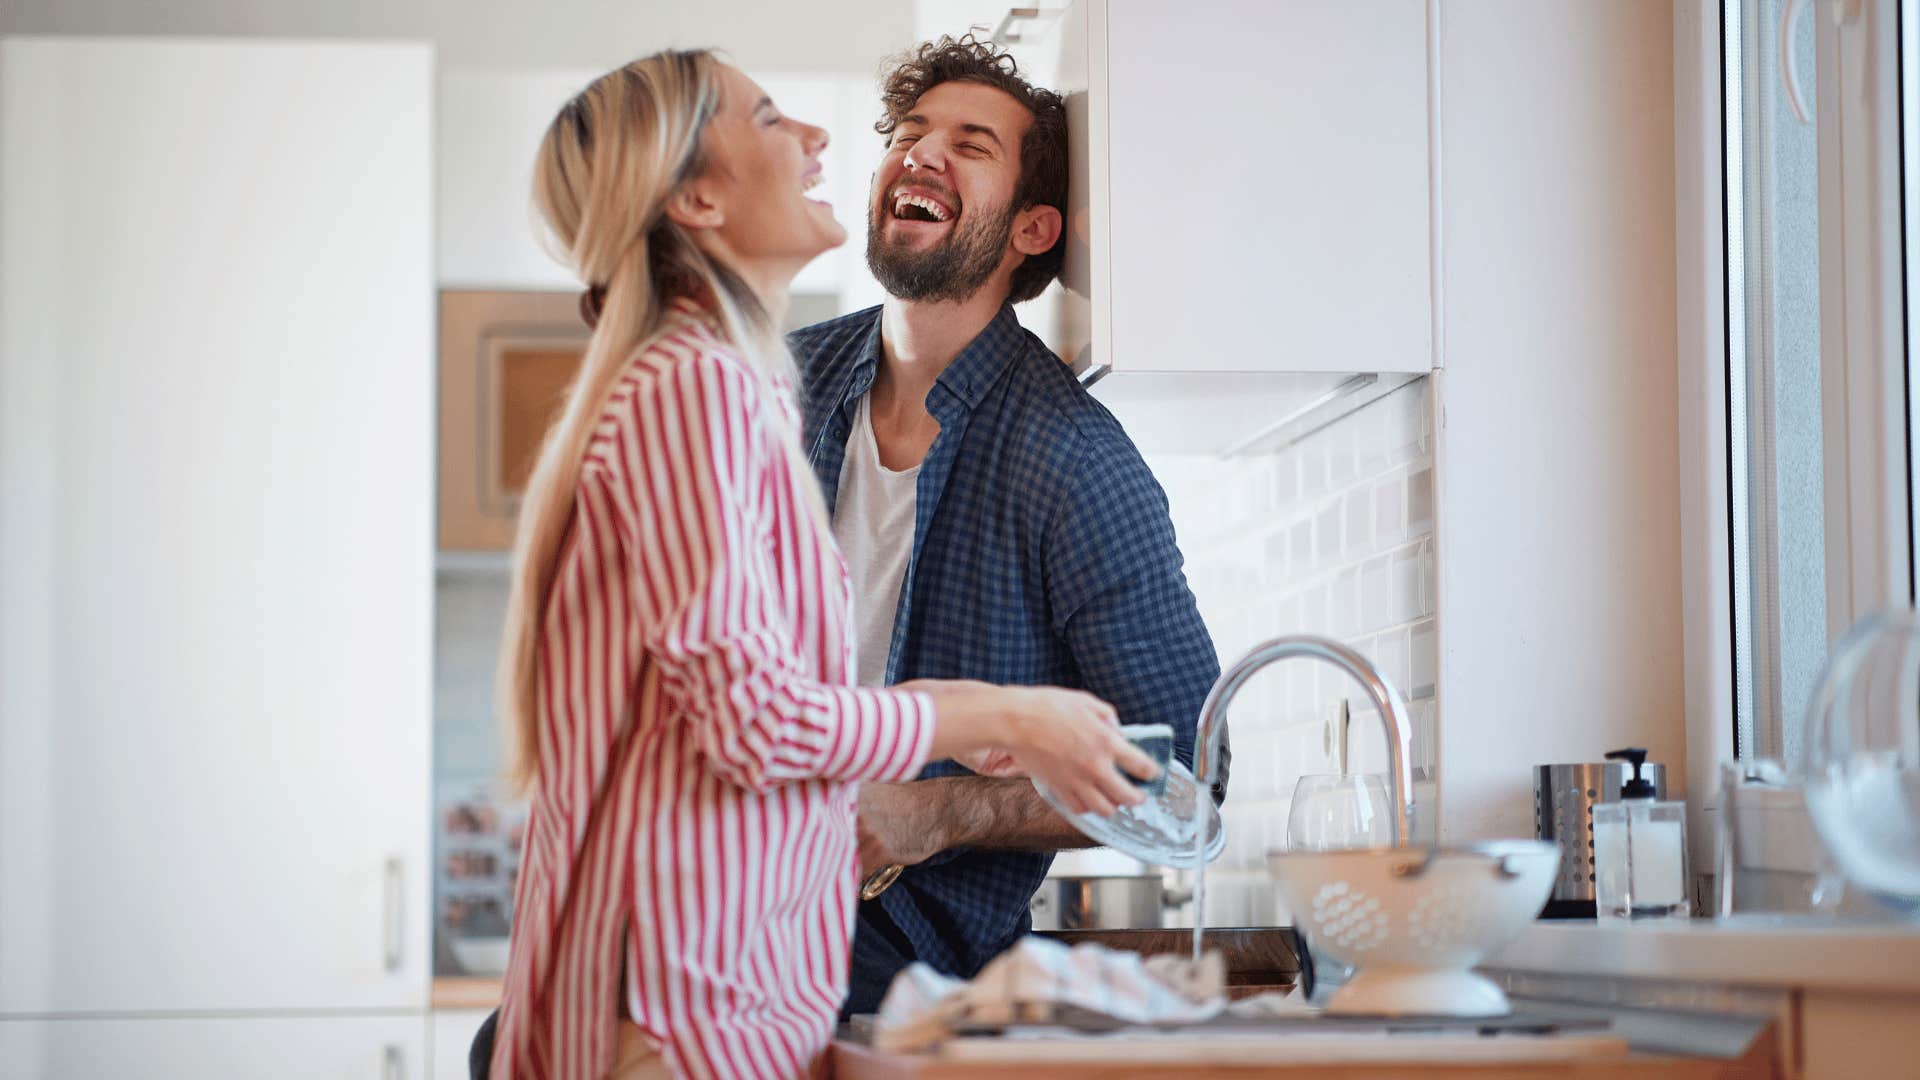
[[1333, 812], [1337, 812]]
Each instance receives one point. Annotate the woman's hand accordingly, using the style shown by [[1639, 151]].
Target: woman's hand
[[1068, 739], [1071, 740]]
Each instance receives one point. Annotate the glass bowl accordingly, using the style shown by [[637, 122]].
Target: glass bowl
[[1861, 757]]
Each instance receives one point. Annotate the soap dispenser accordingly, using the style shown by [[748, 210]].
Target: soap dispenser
[[1640, 850]]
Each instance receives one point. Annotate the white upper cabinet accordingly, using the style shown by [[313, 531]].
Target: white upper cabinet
[[216, 443], [1250, 184]]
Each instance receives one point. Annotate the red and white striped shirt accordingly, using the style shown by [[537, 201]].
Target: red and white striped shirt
[[700, 742]]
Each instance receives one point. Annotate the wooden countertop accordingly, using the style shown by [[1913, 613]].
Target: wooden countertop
[[466, 991], [1561, 1057]]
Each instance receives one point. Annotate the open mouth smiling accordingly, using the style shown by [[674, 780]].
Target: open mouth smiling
[[920, 206]]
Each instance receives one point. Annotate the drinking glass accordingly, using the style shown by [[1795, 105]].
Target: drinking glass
[[1334, 812]]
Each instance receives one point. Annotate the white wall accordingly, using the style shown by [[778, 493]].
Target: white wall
[[490, 125], [838, 36], [931, 18], [1559, 534]]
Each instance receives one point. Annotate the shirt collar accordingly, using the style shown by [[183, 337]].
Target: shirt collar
[[967, 377], [686, 308]]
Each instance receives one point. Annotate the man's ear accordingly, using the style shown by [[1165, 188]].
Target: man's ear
[[1036, 229], [692, 206]]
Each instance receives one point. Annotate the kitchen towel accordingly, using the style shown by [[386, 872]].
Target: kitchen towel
[[1040, 981]]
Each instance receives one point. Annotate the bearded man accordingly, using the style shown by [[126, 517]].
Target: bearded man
[[997, 522]]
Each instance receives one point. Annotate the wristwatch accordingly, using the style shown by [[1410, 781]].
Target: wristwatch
[[878, 881]]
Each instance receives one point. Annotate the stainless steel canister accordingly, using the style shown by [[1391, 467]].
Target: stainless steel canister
[[1563, 801]]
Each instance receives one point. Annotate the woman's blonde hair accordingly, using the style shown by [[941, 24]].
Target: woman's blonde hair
[[607, 167]]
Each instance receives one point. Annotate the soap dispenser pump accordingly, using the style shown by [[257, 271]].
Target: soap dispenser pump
[[1640, 850]]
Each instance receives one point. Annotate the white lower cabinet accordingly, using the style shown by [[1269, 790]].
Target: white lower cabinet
[[317, 1048], [453, 1031]]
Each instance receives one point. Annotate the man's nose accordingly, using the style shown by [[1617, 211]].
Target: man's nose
[[926, 154]]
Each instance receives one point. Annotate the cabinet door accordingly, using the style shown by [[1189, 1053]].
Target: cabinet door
[[1054, 49], [330, 1048], [216, 416], [1267, 190], [453, 1032]]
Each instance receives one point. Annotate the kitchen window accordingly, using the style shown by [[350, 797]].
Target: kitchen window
[[1817, 114]]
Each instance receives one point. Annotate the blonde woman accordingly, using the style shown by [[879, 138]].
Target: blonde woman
[[678, 658]]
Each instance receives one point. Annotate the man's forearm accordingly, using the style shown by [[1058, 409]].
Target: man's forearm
[[996, 814]]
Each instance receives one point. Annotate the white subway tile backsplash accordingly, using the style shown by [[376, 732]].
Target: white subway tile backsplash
[[1405, 597], [1313, 474], [1314, 612], [469, 609], [1425, 654], [1420, 500], [1260, 895], [1288, 621], [1286, 482], [1279, 564], [1330, 535], [1391, 652], [1326, 533], [1226, 899], [1358, 515], [1376, 593], [1300, 549], [1343, 459], [1371, 428], [1429, 579], [1344, 603], [1390, 509]]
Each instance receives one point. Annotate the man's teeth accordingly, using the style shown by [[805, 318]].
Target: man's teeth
[[933, 209], [812, 182]]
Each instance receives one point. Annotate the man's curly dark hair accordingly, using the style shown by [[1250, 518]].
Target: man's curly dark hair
[[1043, 152]]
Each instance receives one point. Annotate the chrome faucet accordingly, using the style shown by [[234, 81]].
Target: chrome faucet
[[1386, 700]]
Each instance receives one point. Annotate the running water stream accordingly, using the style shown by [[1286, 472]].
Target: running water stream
[[1199, 905]]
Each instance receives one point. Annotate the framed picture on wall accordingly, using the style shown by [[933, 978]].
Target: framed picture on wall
[[506, 361]]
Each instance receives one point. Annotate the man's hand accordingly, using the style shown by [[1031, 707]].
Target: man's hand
[[901, 823]]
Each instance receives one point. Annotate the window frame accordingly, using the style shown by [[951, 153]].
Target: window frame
[[1868, 109]]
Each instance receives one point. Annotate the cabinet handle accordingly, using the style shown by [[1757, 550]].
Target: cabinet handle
[[394, 916], [393, 1066]]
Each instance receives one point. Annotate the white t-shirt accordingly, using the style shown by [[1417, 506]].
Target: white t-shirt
[[873, 524]]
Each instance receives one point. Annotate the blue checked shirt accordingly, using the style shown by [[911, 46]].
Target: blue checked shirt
[[1042, 555]]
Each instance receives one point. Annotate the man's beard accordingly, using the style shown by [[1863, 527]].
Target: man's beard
[[952, 270]]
